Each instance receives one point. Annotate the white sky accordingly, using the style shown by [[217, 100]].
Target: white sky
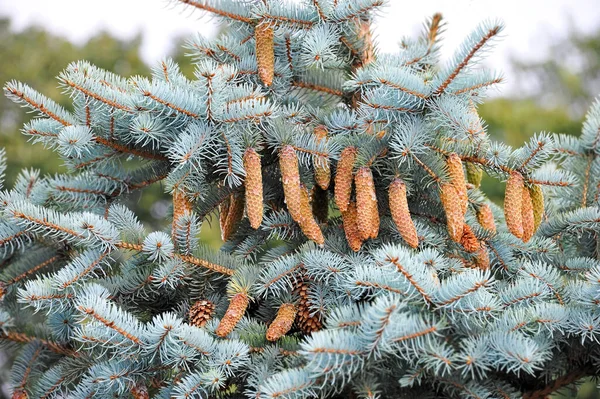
[[530, 24]]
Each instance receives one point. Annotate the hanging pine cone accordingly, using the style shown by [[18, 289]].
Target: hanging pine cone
[[469, 241], [527, 216], [537, 199], [320, 204], [20, 394], [482, 258], [237, 307], [307, 222], [474, 174], [366, 202], [235, 214], [455, 218], [282, 323], [400, 213], [351, 228], [223, 211], [139, 391], [253, 187], [485, 217], [265, 52], [201, 312], [513, 203], [322, 168], [181, 207], [304, 320], [457, 179], [290, 176], [343, 178]]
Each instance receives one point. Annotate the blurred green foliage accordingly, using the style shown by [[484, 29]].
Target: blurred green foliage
[[560, 89]]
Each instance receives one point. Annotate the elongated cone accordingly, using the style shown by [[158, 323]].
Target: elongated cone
[[253, 187], [474, 174], [235, 214], [513, 203], [455, 218], [366, 202], [469, 241], [139, 391], [457, 179], [400, 213], [307, 222], [290, 176], [343, 178], [265, 52], [527, 216], [482, 258], [375, 221], [223, 211], [320, 204], [350, 227], [201, 312], [537, 198], [485, 217], [322, 168], [237, 307], [283, 322], [181, 206]]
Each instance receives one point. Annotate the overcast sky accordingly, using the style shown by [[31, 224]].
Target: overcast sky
[[531, 25]]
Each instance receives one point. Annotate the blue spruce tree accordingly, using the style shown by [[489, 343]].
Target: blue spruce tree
[[360, 258]]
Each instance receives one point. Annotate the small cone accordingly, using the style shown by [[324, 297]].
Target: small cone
[[307, 222], [457, 179], [537, 198], [235, 213], [343, 178], [320, 204], [469, 241], [282, 323], [350, 227], [265, 52], [513, 202], [482, 258], [290, 176], [366, 203], [454, 213], [527, 216], [474, 174], [253, 187], [181, 207], [322, 168], [306, 322], [485, 217], [20, 394], [237, 307], [400, 213], [139, 391], [201, 312]]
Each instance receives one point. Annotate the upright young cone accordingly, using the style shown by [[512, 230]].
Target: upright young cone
[[513, 204], [485, 217], [235, 214], [527, 216], [457, 179], [343, 178], [366, 203], [237, 307], [351, 228], [290, 176], [469, 241], [400, 213], [322, 168], [307, 222], [474, 174], [455, 218], [537, 199], [253, 187], [283, 322], [265, 52]]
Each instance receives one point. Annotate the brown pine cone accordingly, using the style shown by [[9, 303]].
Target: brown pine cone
[[265, 52], [290, 177], [322, 168], [201, 312], [455, 218], [366, 203], [400, 213], [537, 198], [235, 214], [482, 258], [513, 204], [139, 391], [485, 217], [237, 307], [343, 178], [527, 216], [282, 323], [307, 222], [253, 187], [304, 320], [350, 227], [469, 241], [457, 179]]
